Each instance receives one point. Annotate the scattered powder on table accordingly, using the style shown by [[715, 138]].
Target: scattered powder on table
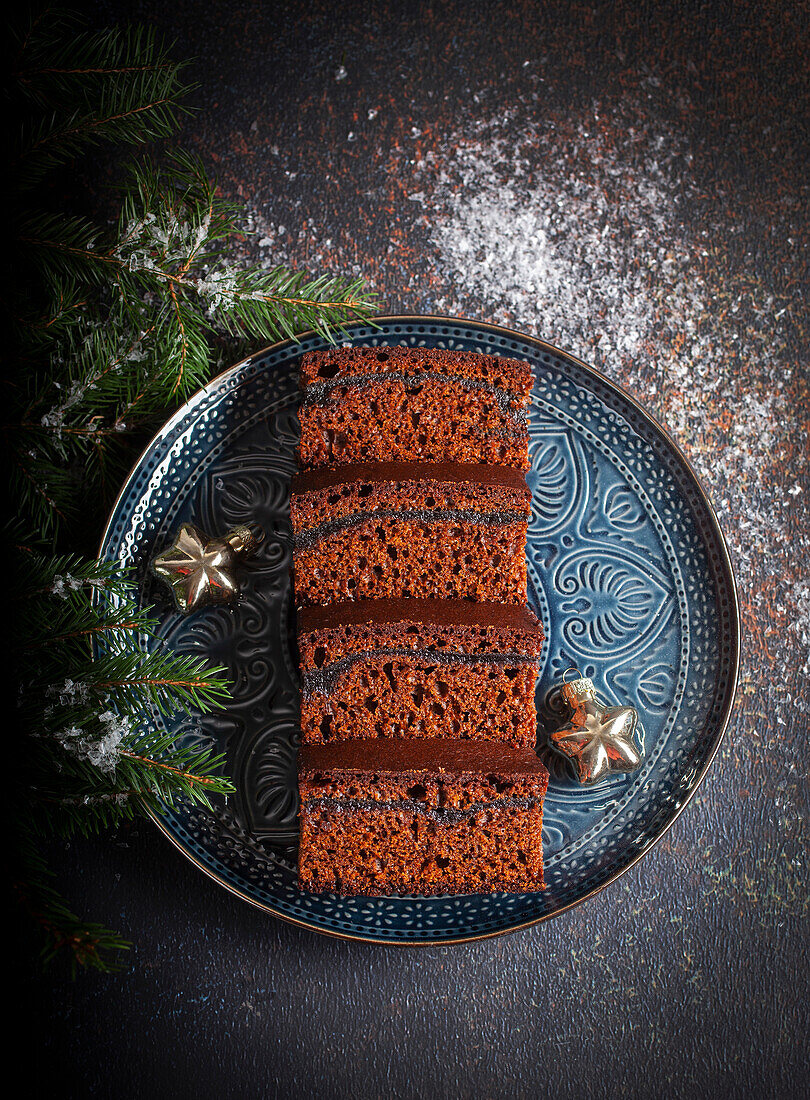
[[587, 227]]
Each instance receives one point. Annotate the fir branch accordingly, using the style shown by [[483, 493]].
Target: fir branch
[[102, 632], [63, 302], [116, 323], [89, 945], [169, 774], [278, 304], [161, 773], [116, 100], [62, 576], [96, 764], [168, 682], [45, 489]]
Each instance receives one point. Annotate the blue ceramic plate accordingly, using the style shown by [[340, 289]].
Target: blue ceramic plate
[[627, 570]]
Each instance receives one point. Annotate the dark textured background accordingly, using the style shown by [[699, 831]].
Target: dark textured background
[[657, 151]]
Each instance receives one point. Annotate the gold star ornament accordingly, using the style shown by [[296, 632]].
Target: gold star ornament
[[200, 570], [598, 740]]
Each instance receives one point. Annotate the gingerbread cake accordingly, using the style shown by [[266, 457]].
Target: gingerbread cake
[[426, 817], [413, 405], [410, 668], [420, 530], [418, 654]]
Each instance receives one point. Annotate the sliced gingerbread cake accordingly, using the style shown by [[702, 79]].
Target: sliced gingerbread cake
[[421, 530], [418, 654], [413, 405], [427, 817], [403, 668]]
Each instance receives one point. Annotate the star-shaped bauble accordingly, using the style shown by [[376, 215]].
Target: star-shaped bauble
[[200, 570], [598, 740]]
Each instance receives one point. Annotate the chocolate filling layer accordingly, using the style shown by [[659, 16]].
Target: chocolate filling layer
[[311, 535], [432, 612], [444, 816], [322, 681], [442, 472], [394, 757]]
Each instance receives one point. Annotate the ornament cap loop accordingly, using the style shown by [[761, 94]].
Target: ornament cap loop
[[575, 691], [245, 539]]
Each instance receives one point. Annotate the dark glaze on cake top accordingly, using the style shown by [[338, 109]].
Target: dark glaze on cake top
[[435, 612]]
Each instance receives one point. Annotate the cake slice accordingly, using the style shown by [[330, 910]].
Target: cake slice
[[414, 405], [401, 668], [421, 817], [420, 530]]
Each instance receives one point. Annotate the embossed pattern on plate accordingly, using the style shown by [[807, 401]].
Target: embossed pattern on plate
[[627, 570]]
